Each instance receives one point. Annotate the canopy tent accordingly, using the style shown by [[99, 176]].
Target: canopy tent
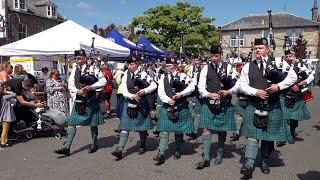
[[118, 38], [149, 47], [63, 39]]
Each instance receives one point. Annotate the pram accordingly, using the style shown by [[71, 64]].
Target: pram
[[48, 120]]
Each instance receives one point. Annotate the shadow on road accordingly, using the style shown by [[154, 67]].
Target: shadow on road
[[310, 175]]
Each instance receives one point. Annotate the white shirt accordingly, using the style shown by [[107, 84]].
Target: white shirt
[[202, 85], [250, 91], [143, 75], [162, 93], [71, 81]]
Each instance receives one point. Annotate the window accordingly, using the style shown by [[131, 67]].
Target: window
[[22, 31], [54, 11], [294, 35], [39, 29], [234, 39], [20, 4], [49, 10]]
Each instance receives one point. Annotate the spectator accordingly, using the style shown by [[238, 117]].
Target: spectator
[[120, 100], [5, 74], [107, 89], [25, 100], [19, 72], [6, 113], [56, 92]]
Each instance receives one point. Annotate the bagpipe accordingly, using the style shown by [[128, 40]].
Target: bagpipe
[[305, 90], [86, 79], [177, 86], [133, 105]]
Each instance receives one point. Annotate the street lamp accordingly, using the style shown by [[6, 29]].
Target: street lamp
[[181, 44]]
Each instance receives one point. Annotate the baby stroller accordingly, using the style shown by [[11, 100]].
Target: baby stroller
[[48, 120]]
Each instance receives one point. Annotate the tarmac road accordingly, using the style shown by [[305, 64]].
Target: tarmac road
[[34, 159]]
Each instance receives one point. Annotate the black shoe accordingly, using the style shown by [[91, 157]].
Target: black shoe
[[117, 154], [264, 167], [12, 137], [64, 151], [5, 145], [177, 155], [204, 163], [117, 131], [192, 136], [93, 148], [235, 137], [281, 143], [142, 151], [246, 171], [292, 141], [160, 159]]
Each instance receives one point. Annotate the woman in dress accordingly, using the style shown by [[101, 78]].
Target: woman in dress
[[56, 92]]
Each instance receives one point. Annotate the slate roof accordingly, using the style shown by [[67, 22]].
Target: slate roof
[[37, 8], [261, 21]]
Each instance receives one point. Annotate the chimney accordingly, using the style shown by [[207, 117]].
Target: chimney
[[314, 11]]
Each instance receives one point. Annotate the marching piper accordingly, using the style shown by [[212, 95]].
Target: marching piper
[[136, 110], [263, 118], [293, 105], [85, 109], [217, 112], [174, 114]]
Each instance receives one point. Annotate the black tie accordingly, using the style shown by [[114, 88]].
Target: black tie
[[261, 67], [77, 77]]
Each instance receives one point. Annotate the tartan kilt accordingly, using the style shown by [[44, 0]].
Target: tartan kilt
[[299, 111], [225, 121], [92, 117], [278, 129], [159, 102], [140, 123], [183, 124], [239, 110]]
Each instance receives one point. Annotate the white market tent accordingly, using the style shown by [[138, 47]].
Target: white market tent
[[63, 39]]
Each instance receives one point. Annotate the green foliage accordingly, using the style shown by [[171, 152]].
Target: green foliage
[[163, 26]]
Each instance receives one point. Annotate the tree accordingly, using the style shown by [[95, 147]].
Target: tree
[[163, 26]]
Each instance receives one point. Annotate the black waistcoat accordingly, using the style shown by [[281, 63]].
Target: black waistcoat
[[259, 81], [177, 84], [130, 84], [213, 79]]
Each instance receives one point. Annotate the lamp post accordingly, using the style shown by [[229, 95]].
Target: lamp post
[[181, 44]]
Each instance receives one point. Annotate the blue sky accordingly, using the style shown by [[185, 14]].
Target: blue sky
[[102, 12]]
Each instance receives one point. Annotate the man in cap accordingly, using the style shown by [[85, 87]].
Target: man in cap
[[217, 114], [293, 106], [136, 110], [263, 116], [174, 115], [85, 110]]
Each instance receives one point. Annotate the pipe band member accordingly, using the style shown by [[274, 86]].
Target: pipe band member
[[174, 115], [215, 85], [263, 116], [136, 111], [85, 108]]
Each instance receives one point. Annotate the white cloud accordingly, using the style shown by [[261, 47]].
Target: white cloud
[[83, 5]]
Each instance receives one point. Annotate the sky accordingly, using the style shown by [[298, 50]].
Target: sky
[[103, 12]]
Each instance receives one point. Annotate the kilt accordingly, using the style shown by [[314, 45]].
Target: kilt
[[140, 123], [92, 117], [278, 129], [299, 111], [223, 122], [183, 124], [239, 110]]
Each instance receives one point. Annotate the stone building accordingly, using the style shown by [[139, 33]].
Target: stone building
[[23, 18], [246, 29]]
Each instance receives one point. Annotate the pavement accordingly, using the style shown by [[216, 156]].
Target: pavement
[[34, 159]]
